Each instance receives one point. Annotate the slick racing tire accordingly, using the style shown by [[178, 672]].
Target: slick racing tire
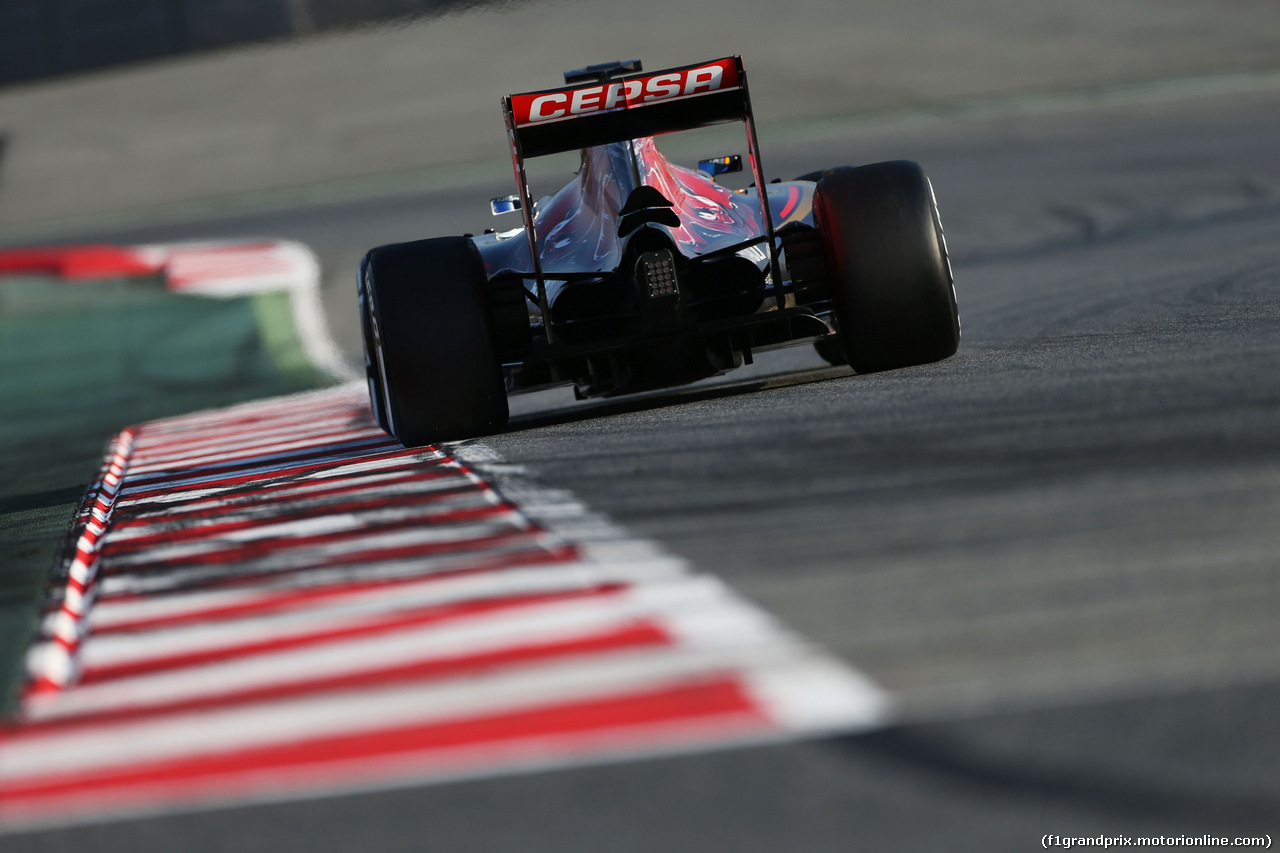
[[430, 335], [372, 370], [891, 282], [822, 173]]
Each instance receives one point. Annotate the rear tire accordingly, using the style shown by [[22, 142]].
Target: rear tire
[[819, 174], [429, 333], [887, 262], [372, 370]]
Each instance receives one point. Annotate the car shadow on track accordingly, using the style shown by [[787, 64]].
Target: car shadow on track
[[652, 400]]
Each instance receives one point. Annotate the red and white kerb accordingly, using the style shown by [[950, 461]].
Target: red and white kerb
[[276, 600]]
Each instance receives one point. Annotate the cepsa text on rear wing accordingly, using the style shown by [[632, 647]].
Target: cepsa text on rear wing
[[557, 120]]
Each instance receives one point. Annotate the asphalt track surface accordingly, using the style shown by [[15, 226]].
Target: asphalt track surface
[[1057, 549]]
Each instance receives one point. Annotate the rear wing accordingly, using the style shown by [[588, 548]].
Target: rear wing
[[616, 109]]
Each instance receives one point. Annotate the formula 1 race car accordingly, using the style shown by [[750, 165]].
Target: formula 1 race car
[[641, 274]]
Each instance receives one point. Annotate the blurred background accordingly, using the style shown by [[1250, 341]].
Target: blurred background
[[115, 113]]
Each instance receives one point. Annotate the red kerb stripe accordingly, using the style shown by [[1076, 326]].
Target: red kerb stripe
[[721, 697], [640, 635], [384, 623]]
